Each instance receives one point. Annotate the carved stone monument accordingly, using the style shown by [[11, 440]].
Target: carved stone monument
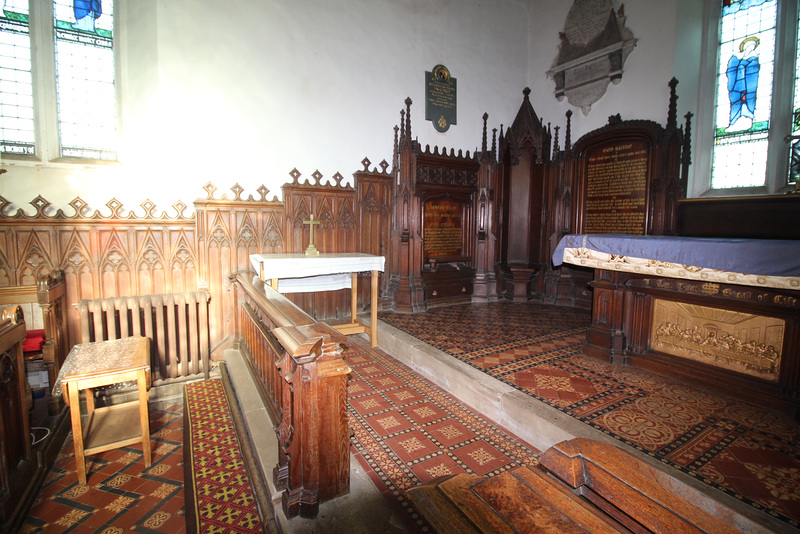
[[594, 46]]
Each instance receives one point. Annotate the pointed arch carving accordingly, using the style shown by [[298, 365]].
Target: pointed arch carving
[[219, 235], [34, 260], [114, 257], [246, 234], [77, 256], [273, 236]]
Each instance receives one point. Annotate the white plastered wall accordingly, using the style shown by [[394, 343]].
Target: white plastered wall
[[243, 92]]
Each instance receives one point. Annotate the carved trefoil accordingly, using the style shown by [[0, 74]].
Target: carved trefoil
[[594, 46]]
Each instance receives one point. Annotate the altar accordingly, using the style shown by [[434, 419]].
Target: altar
[[300, 273], [720, 313]]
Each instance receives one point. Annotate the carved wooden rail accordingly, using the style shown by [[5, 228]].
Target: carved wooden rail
[[176, 323], [303, 381]]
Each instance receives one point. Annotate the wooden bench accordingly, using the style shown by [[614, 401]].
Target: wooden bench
[[303, 380]]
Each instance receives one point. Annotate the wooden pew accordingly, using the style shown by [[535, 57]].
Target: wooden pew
[[45, 302], [17, 464], [303, 380]]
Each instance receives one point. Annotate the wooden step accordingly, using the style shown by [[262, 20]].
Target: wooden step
[[521, 500], [581, 485]]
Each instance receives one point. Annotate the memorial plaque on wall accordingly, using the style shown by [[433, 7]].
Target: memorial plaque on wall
[[440, 98], [443, 235], [616, 189]]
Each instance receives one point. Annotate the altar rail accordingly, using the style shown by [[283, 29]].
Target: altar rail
[[176, 323], [303, 381]]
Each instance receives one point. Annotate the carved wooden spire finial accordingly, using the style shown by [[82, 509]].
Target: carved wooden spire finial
[[483, 144], [408, 118], [568, 133], [672, 114]]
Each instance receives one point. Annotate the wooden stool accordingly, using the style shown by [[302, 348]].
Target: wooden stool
[[91, 365]]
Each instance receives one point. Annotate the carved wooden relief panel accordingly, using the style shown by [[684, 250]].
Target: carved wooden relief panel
[[742, 342]]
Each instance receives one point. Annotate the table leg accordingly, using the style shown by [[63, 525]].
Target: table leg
[[354, 298], [373, 308], [89, 401], [273, 282], [77, 430], [144, 416]]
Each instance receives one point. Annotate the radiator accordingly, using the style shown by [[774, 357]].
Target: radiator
[[176, 323]]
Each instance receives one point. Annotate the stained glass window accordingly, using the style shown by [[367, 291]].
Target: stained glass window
[[744, 93], [794, 153], [85, 78], [82, 73], [16, 85]]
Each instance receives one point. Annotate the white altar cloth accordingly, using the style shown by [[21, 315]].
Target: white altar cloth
[[298, 273]]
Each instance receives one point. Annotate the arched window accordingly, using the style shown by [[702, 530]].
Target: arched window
[[59, 101], [756, 97]]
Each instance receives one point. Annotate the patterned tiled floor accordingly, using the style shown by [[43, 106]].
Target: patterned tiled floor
[[746, 451], [407, 431], [121, 495]]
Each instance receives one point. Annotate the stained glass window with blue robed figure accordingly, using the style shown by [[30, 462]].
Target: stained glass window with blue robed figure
[[744, 92]]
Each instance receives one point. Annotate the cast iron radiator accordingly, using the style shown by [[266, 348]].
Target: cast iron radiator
[[176, 323]]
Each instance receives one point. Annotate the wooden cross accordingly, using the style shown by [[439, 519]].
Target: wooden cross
[[311, 250]]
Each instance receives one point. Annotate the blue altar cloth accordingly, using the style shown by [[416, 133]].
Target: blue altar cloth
[[765, 257]]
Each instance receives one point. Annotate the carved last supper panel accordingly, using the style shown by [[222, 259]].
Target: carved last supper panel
[[742, 342]]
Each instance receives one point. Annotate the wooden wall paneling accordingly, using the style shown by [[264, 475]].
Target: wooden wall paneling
[[118, 253], [764, 217], [333, 204], [229, 230], [102, 254], [374, 209]]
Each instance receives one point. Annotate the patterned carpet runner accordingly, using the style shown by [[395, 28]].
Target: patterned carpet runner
[[743, 450], [219, 498]]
